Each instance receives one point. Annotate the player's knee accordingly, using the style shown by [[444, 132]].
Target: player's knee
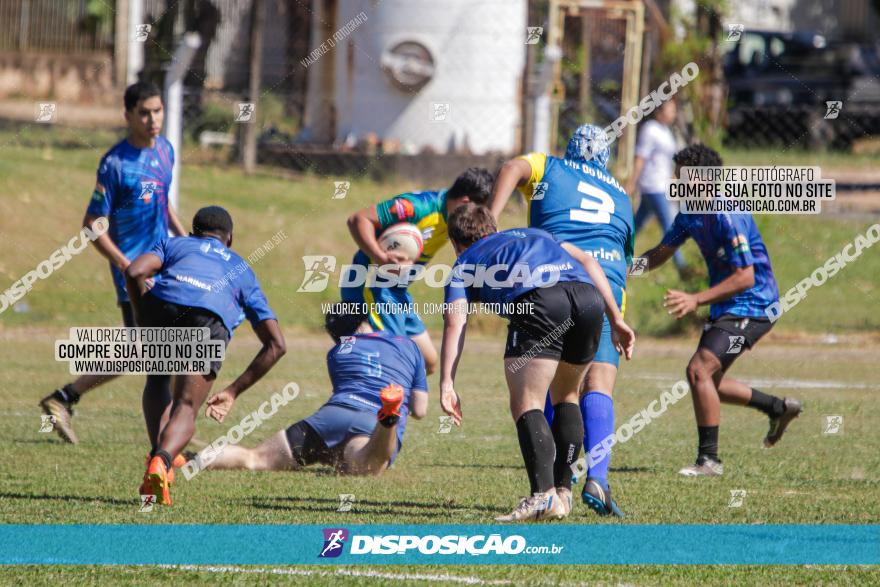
[[698, 370]]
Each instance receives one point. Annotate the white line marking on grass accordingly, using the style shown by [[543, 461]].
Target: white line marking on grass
[[340, 573], [787, 383]]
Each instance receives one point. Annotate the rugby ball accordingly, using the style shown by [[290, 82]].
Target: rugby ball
[[403, 237]]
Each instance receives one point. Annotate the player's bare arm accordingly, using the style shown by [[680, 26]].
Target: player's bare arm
[[418, 404], [680, 303], [454, 329], [513, 174], [630, 185], [104, 243], [363, 225], [658, 256], [625, 336], [272, 350], [137, 276]]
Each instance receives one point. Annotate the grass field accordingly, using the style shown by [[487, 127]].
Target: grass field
[[466, 476]]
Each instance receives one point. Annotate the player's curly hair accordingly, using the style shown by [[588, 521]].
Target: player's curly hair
[[469, 223], [697, 155], [475, 183]]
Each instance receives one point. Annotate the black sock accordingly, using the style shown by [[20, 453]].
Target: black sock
[[568, 435], [166, 458], [538, 449], [708, 441], [769, 404], [67, 394], [389, 421]]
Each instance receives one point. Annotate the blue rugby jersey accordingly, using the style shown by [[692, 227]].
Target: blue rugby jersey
[[203, 273], [580, 202], [360, 366], [728, 241], [135, 186], [527, 258]]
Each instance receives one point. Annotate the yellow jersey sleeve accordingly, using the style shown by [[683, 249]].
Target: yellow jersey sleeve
[[537, 161]]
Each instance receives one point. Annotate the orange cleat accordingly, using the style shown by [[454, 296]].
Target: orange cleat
[[156, 481], [178, 462], [392, 398]]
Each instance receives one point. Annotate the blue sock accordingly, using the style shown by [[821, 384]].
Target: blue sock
[[548, 409], [597, 410]]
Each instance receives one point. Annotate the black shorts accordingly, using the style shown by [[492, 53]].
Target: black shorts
[[565, 323], [308, 447], [728, 336], [127, 315], [159, 313]]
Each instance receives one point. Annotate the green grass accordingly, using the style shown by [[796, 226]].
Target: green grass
[[46, 189], [467, 476]]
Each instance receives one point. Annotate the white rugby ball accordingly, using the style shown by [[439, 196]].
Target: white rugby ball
[[403, 237]]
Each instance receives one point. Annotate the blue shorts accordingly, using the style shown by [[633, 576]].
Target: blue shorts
[[606, 352], [390, 309], [336, 424]]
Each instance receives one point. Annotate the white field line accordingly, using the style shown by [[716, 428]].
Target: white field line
[[787, 383], [339, 573]]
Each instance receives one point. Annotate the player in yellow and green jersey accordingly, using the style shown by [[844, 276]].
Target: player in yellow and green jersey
[[427, 210]]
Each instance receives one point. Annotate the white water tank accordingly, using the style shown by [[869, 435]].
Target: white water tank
[[440, 75]]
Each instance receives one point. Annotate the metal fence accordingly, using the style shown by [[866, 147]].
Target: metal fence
[[61, 26]]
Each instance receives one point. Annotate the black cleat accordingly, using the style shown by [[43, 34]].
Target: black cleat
[[793, 409], [599, 500]]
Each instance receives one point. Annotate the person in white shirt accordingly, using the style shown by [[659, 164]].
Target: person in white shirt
[[653, 170]]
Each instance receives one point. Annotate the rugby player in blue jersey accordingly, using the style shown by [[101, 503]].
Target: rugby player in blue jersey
[[428, 211], [741, 287], [555, 296], [577, 200], [378, 381], [199, 283], [132, 193]]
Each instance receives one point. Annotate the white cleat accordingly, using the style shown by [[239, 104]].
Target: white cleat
[[704, 467], [539, 506]]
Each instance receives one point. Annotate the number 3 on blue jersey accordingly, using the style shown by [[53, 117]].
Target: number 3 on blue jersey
[[591, 210]]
